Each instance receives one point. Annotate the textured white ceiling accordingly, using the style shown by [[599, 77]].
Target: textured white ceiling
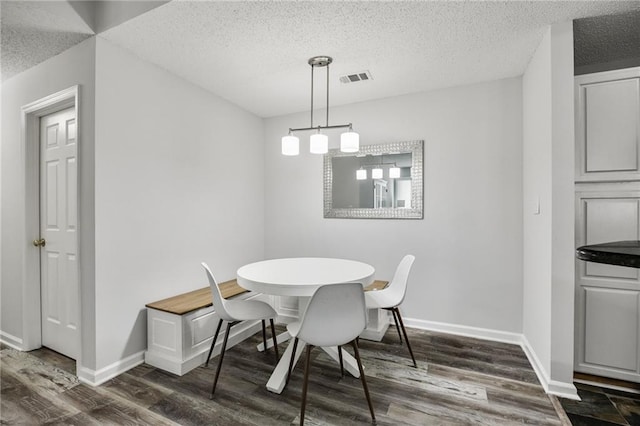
[[255, 53], [607, 38], [33, 31]]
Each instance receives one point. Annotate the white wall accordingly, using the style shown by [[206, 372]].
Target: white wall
[[536, 123], [468, 247], [179, 180], [563, 196], [548, 165], [72, 67]]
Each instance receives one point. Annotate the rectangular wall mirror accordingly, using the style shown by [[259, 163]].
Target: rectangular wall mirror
[[381, 181]]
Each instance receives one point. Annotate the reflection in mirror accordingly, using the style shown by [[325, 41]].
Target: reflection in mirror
[[356, 186], [379, 181]]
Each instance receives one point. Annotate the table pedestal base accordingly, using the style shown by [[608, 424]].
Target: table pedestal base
[[278, 378]]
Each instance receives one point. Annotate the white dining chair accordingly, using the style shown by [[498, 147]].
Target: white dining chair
[[335, 316], [234, 312], [392, 296]]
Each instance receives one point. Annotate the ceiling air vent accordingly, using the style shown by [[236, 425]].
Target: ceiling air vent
[[352, 78]]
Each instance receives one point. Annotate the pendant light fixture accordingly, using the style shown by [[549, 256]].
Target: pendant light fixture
[[319, 142], [394, 172]]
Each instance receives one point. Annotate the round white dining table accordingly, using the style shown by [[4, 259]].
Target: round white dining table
[[301, 277]]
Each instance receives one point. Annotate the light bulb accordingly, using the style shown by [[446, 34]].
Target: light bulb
[[376, 173], [349, 141], [319, 144], [361, 174], [394, 172], [290, 145]]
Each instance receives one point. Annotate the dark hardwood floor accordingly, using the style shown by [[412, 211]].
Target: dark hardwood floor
[[459, 381]]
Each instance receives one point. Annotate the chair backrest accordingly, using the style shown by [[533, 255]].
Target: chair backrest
[[336, 315], [217, 299], [397, 288]]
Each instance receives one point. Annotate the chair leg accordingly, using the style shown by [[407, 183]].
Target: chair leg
[[364, 381], [341, 362], [264, 335], [395, 319], [293, 355], [224, 347], [404, 331], [305, 384], [213, 343], [275, 341]]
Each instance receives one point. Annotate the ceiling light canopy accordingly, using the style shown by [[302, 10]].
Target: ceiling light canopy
[[319, 142]]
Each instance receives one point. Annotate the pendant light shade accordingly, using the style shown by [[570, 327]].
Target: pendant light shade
[[290, 145], [361, 174], [349, 141], [319, 144], [394, 172], [376, 173]]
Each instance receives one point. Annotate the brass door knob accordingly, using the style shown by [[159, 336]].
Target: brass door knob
[[39, 243]]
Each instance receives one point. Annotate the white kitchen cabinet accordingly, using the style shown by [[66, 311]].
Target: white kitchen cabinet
[[608, 126], [607, 176]]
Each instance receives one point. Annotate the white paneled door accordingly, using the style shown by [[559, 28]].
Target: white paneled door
[[58, 233]]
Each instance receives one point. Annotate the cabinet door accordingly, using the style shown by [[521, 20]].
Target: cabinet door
[[608, 126], [607, 296]]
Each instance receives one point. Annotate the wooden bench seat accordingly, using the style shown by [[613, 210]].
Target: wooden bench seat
[[196, 299], [180, 328], [376, 285], [201, 298]]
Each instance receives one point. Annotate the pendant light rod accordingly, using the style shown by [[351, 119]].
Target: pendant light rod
[[312, 68], [320, 61], [327, 122], [337, 126]]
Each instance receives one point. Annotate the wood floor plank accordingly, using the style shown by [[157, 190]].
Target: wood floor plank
[[521, 396], [187, 410], [132, 388], [497, 359], [23, 404], [80, 419], [107, 407], [383, 366], [37, 373]]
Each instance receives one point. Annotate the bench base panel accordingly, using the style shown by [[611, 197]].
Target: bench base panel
[[180, 343]]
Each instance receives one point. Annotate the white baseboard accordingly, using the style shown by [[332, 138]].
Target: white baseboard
[[561, 389], [10, 340], [553, 387], [467, 331], [98, 377]]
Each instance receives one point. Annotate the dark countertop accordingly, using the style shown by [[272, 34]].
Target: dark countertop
[[622, 253]]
